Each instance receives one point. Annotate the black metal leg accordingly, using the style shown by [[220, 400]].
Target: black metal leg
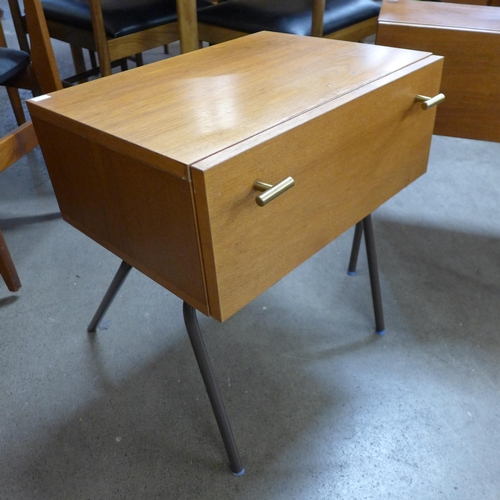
[[356, 243], [202, 357], [93, 59], [116, 284], [374, 278]]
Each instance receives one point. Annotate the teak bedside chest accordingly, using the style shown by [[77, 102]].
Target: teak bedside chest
[[163, 165]]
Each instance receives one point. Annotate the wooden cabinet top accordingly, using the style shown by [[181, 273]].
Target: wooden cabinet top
[[448, 15], [182, 110]]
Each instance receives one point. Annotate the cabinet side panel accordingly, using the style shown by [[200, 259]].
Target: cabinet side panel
[[345, 162], [471, 80], [142, 214]]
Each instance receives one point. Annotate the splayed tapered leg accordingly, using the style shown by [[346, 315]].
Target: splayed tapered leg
[[366, 227], [113, 289], [356, 243], [203, 359], [371, 254]]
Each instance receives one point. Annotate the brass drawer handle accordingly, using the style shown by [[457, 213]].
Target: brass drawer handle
[[429, 102], [271, 192]]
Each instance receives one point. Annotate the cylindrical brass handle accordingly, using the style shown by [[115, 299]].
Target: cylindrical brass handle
[[429, 102], [271, 192]]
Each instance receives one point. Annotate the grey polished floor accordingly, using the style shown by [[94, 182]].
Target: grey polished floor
[[321, 407]]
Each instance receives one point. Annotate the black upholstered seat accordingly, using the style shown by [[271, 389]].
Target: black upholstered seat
[[114, 29], [286, 16], [15, 74], [121, 17], [12, 62]]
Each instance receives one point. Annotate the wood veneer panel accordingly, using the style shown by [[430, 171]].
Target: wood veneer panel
[[471, 80], [187, 108], [142, 214], [445, 15], [346, 158]]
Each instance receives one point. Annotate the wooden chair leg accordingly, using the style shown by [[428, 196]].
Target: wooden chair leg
[[17, 105], [78, 61], [19, 25], [7, 268]]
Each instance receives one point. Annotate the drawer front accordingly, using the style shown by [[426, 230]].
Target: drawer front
[[346, 158], [471, 80]]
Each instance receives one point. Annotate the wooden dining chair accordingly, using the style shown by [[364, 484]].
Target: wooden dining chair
[[18, 66], [115, 30], [350, 20], [15, 74], [12, 147]]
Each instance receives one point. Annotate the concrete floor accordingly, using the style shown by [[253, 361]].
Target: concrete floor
[[321, 407]]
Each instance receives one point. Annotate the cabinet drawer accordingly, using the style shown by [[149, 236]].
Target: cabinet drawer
[[346, 158]]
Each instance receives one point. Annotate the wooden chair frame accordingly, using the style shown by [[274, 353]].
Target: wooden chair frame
[[107, 49], [354, 33], [12, 147], [43, 73]]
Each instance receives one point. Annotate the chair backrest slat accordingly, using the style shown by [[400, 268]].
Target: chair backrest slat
[[3, 42], [16, 144], [23, 139], [318, 14], [17, 19], [100, 36], [188, 26], [42, 53]]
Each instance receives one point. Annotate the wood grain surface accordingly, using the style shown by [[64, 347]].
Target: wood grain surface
[[142, 214], [468, 37], [162, 173], [445, 15], [346, 158], [187, 108]]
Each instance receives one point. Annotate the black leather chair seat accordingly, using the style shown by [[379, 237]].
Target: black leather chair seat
[[286, 16], [12, 62], [121, 17]]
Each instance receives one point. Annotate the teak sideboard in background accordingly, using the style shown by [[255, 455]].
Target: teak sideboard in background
[[468, 36]]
